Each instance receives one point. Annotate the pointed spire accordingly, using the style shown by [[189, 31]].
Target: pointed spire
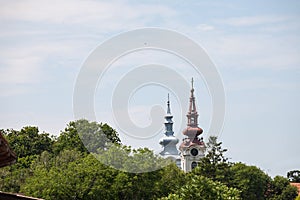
[[192, 113], [168, 104], [168, 119]]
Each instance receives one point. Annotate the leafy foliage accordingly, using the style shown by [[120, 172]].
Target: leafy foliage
[[131, 160], [215, 165], [76, 175], [172, 179], [12, 178], [83, 178], [28, 141], [251, 181], [64, 168], [202, 188], [282, 190], [85, 136]]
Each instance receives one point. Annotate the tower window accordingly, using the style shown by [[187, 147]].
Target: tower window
[[194, 164]]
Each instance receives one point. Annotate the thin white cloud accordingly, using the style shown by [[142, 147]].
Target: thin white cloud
[[259, 83], [24, 63], [205, 27], [35, 37], [20, 70], [111, 14], [249, 51], [254, 20]]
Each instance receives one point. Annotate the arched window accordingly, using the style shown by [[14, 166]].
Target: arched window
[[194, 164]]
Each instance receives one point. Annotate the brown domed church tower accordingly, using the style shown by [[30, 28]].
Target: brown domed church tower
[[192, 148]]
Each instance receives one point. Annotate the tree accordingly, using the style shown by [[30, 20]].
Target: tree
[[85, 136], [282, 190], [11, 178], [141, 175], [68, 139], [28, 141], [83, 178], [294, 176], [171, 180], [214, 165], [76, 175], [250, 180], [131, 160], [202, 188], [215, 151]]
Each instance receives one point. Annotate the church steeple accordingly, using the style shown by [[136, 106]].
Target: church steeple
[[192, 148], [169, 141]]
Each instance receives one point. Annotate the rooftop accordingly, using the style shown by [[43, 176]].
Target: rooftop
[[7, 156]]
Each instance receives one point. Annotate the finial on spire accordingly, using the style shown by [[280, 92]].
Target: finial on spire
[[192, 83], [168, 103]]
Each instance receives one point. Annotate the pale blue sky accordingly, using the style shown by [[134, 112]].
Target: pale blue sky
[[255, 46]]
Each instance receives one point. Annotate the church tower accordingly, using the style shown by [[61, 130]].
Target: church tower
[[192, 148], [169, 141]]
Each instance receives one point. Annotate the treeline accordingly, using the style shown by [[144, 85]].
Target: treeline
[[71, 166]]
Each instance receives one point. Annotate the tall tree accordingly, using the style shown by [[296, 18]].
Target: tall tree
[[214, 165], [86, 136]]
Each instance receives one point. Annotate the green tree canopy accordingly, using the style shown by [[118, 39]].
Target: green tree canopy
[[62, 168], [202, 188], [28, 141], [86, 136], [250, 180], [83, 178], [76, 175], [282, 190]]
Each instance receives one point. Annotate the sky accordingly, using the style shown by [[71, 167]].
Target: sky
[[255, 45]]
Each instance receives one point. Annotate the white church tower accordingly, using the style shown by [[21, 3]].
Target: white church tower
[[192, 148], [169, 141]]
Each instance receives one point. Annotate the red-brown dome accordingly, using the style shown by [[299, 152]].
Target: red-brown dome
[[192, 132], [191, 142]]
